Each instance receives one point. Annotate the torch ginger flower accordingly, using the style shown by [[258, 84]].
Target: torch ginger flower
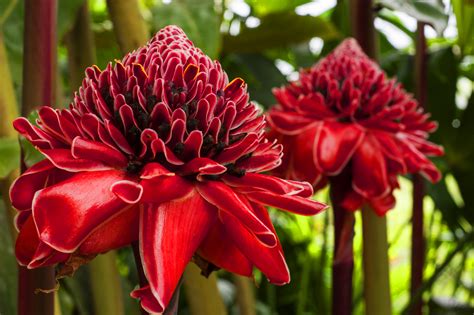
[[162, 149], [345, 122]]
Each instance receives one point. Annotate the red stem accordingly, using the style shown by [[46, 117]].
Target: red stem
[[362, 25], [418, 246], [141, 274], [343, 261], [39, 86]]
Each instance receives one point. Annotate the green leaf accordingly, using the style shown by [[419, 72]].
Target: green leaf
[[279, 30], [429, 11], [263, 7], [259, 72], [30, 154], [464, 12], [198, 19], [9, 269], [9, 155]]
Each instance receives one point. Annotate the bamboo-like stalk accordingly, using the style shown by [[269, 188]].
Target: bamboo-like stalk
[[343, 260], [106, 287], [129, 26], [104, 275], [80, 47], [375, 245], [39, 88], [205, 302], [375, 263], [245, 295], [417, 238]]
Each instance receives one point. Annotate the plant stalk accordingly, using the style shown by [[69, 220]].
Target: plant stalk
[[208, 301], [343, 260], [141, 274], [80, 47], [245, 295], [39, 88], [417, 238], [129, 26], [362, 25], [375, 264]]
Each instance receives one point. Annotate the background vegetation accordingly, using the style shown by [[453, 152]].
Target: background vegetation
[[265, 42]]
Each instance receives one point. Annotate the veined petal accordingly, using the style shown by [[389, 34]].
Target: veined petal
[[96, 151], [219, 249], [164, 189], [170, 233], [147, 300], [225, 199], [269, 260], [127, 190], [63, 159], [294, 204], [66, 213], [261, 182]]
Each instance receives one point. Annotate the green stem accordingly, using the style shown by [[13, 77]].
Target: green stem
[[245, 295], [202, 294], [106, 287], [129, 26], [375, 264]]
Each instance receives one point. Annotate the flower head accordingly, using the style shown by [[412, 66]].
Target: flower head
[[159, 148], [345, 122]]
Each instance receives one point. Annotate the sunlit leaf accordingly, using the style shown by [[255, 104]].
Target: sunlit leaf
[[263, 7], [464, 11], [198, 19], [429, 11], [279, 30]]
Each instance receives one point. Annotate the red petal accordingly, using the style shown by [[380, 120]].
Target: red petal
[[66, 213], [96, 151], [63, 159], [129, 191], [289, 123], [369, 170], [26, 242], [334, 146], [269, 260], [260, 182], [225, 199], [295, 204], [170, 234], [24, 187], [202, 166], [152, 170], [120, 231], [302, 166], [221, 251], [147, 300], [165, 188]]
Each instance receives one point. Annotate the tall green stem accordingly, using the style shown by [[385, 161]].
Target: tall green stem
[[129, 27], [375, 263], [39, 88], [417, 238], [245, 295], [104, 275], [205, 302]]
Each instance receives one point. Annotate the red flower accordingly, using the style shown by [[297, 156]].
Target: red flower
[[162, 149], [345, 122]]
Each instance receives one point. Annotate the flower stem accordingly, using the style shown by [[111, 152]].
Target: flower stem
[[375, 263], [343, 261], [362, 25], [202, 294], [129, 26], [39, 88], [417, 238], [106, 287], [245, 295]]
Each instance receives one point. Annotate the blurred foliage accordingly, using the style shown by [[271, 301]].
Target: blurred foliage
[[265, 42]]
